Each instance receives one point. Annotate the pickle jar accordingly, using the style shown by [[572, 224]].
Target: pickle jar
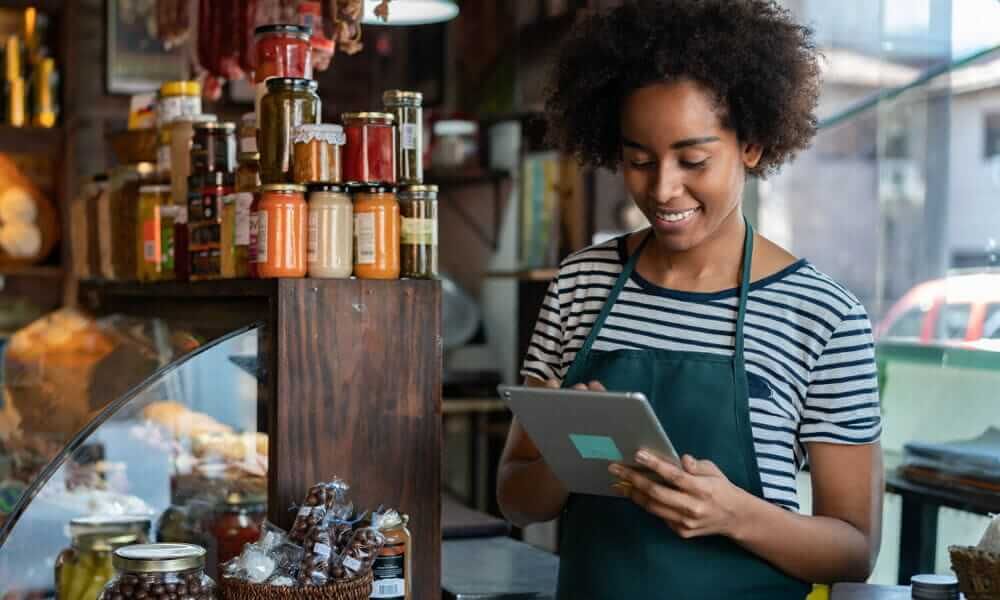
[[83, 569], [289, 103], [159, 572], [152, 200], [406, 107], [418, 244], [316, 153]]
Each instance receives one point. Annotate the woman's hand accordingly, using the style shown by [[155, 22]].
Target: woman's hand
[[698, 500]]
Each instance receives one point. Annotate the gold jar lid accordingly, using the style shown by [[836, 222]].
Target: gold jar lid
[[402, 97], [180, 88], [283, 188], [418, 188], [249, 156], [225, 125], [159, 558], [374, 118], [110, 525], [102, 542]]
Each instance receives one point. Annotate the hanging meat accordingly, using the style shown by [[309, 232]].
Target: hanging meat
[[219, 42], [247, 24]]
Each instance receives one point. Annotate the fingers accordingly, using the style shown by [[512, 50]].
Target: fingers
[[674, 499], [700, 467], [593, 386], [667, 470]]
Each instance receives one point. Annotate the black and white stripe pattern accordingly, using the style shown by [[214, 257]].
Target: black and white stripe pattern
[[809, 349]]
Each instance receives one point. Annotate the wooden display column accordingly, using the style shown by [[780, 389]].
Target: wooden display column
[[357, 376]]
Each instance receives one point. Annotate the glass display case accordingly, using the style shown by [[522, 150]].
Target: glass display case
[[180, 451]]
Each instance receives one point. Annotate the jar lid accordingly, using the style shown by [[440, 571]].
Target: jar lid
[[297, 31], [154, 189], [279, 83], [328, 133], [420, 188], [390, 519], [284, 188], [159, 558], [107, 524], [180, 88], [249, 119], [326, 187], [248, 156], [372, 188], [377, 118], [104, 542], [455, 127], [213, 124], [932, 587], [403, 97]]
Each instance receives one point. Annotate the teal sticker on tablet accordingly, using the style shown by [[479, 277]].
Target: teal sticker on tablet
[[596, 447]]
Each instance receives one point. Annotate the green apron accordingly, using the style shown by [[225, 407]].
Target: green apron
[[610, 548]]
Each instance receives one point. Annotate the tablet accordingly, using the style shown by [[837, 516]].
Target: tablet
[[580, 433]]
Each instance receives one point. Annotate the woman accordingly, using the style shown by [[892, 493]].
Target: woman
[[754, 361]]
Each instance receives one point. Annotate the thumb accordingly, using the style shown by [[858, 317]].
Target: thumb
[[552, 383]]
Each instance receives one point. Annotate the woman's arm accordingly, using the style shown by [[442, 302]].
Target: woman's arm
[[527, 490], [838, 543]]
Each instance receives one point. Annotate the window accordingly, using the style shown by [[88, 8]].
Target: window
[[992, 137], [908, 325], [991, 324], [953, 322]]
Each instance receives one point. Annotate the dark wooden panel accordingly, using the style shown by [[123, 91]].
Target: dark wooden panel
[[359, 397]]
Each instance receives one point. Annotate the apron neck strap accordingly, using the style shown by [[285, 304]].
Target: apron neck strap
[[744, 288]]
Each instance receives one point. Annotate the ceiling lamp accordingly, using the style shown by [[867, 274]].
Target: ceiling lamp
[[412, 12]]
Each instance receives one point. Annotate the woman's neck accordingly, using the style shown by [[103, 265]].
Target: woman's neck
[[715, 262]]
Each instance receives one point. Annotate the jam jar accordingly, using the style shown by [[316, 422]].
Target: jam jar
[[376, 232], [237, 522], [289, 102], [160, 572], [281, 51], [370, 153], [83, 569], [282, 227], [316, 153]]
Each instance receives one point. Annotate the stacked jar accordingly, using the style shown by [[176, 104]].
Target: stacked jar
[[159, 572], [83, 569], [213, 163], [153, 199]]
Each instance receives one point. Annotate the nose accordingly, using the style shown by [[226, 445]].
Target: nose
[[669, 183]]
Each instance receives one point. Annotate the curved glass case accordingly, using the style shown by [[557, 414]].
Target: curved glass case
[[181, 448]]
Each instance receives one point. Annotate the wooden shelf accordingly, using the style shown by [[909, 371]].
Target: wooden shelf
[[219, 288], [30, 139], [42, 272], [464, 177]]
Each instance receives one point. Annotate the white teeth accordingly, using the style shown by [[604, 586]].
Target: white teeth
[[674, 217]]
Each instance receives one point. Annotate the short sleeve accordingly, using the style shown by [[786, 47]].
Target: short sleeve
[[842, 402], [544, 357]]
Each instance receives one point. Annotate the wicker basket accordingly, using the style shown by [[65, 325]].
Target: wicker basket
[[978, 572], [351, 589]]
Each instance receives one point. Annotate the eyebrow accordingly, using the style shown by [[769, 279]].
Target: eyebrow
[[675, 146]]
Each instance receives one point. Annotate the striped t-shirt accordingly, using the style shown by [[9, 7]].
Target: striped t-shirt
[[808, 349]]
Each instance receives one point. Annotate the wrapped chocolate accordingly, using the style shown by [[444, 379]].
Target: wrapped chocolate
[[359, 555], [307, 518], [315, 566]]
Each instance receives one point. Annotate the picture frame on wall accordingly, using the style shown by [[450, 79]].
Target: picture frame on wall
[[136, 60]]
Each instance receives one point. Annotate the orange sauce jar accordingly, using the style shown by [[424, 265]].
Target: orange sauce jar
[[282, 227], [376, 232]]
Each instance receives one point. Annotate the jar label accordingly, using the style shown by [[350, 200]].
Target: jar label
[[390, 577], [261, 236], [419, 232], [364, 235], [408, 136], [313, 236], [248, 144], [149, 245], [163, 159], [322, 550], [254, 240], [352, 564], [243, 200]]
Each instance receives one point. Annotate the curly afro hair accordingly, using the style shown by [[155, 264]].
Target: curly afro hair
[[761, 66]]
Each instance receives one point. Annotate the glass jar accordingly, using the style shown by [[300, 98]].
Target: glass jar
[[81, 211], [406, 107], [370, 155], [213, 147], [418, 244], [254, 235], [237, 522], [376, 232], [331, 232], [205, 227], [83, 569], [247, 133], [152, 199], [236, 219], [159, 572], [282, 51], [456, 144], [163, 152], [118, 218], [289, 102], [181, 137], [316, 153], [282, 228], [392, 568], [179, 100]]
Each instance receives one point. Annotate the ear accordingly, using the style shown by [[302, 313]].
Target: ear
[[752, 154]]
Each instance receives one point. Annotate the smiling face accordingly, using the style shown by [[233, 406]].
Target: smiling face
[[684, 170]]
